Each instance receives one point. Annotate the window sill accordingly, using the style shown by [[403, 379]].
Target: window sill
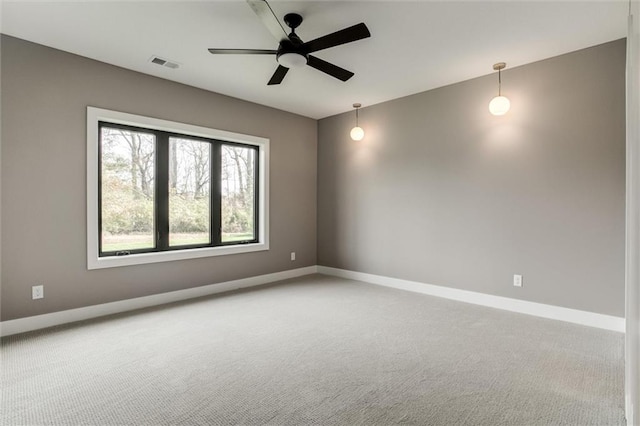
[[167, 256]]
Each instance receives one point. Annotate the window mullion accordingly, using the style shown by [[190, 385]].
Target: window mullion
[[162, 191], [216, 195]]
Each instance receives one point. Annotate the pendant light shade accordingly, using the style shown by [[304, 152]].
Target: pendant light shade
[[357, 133], [500, 104]]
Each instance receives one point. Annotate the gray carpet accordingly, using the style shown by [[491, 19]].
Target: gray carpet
[[315, 350]]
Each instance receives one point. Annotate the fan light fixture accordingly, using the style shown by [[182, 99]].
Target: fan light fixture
[[357, 133], [292, 60], [500, 104]]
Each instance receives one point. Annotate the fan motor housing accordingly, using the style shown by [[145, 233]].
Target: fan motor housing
[[290, 54]]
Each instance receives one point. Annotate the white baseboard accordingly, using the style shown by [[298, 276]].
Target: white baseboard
[[36, 322], [590, 319]]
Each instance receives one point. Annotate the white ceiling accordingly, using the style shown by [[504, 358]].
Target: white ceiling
[[415, 45]]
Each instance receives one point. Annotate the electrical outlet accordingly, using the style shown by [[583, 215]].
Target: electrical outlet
[[293, 255], [517, 280], [37, 292]]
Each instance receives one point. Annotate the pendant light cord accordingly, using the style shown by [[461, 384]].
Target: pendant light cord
[[357, 117], [500, 82]]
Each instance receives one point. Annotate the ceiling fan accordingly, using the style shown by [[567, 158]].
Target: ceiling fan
[[292, 51]]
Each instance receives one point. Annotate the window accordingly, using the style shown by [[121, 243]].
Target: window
[[160, 190]]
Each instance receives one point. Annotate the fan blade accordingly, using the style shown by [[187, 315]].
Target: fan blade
[[329, 68], [268, 18], [278, 76], [242, 52], [356, 32]]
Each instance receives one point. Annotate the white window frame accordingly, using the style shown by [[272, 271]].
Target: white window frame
[[94, 261]]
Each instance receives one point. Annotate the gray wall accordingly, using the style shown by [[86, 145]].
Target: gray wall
[[439, 191], [45, 93], [442, 192]]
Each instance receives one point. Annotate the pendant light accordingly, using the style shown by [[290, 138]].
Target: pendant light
[[500, 104], [357, 133]]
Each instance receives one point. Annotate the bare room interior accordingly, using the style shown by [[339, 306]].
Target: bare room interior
[[250, 212]]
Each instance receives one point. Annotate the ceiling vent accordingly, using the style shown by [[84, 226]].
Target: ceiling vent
[[163, 62]]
